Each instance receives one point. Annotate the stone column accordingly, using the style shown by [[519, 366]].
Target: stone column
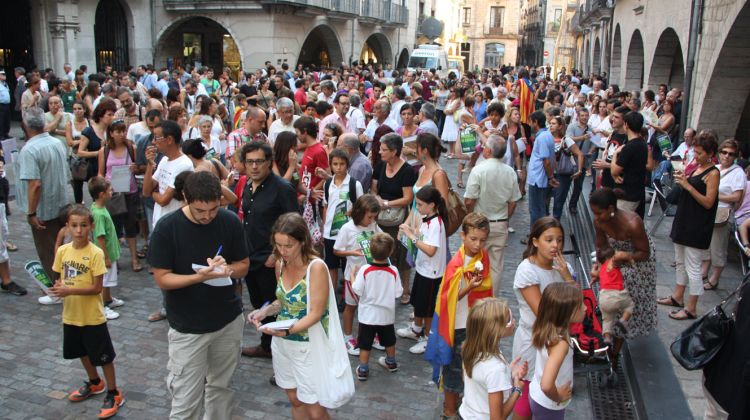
[[59, 55]]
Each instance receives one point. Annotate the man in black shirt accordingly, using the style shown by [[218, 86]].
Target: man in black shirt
[[266, 197], [194, 251], [629, 166], [618, 138]]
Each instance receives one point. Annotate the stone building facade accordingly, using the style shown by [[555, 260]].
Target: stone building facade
[[245, 33], [643, 43], [492, 32]]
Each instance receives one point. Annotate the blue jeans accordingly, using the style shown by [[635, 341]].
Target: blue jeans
[[538, 205], [560, 195]]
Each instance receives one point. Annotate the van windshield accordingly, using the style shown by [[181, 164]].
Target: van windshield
[[423, 62]]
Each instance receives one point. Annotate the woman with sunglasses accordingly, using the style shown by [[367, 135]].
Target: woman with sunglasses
[[731, 193]]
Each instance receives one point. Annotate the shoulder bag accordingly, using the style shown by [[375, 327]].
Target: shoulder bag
[[702, 340], [724, 213], [565, 164], [391, 216], [117, 204], [328, 356], [456, 208]]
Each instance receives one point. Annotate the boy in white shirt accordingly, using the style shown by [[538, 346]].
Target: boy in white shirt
[[378, 285]]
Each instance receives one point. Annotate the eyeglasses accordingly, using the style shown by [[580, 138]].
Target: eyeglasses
[[160, 138], [118, 121], [726, 153], [255, 162]]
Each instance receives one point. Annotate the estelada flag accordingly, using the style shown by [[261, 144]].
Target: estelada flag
[[526, 98], [440, 342]]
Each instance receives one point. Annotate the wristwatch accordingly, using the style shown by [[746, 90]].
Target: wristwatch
[[30, 215], [385, 203], [286, 333], [518, 390]]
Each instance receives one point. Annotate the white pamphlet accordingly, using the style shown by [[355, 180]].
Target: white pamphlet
[[121, 176], [279, 325], [219, 282]]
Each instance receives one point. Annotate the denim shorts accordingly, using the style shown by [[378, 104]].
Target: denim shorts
[[453, 373]]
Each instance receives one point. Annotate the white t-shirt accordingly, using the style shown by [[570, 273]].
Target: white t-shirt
[[166, 172], [378, 287], [374, 125], [339, 205], [732, 180], [279, 127], [527, 275], [564, 376], [353, 237], [432, 232], [487, 377], [356, 120], [395, 114], [136, 130]]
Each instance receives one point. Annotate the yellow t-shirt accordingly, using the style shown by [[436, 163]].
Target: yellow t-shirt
[[78, 268]]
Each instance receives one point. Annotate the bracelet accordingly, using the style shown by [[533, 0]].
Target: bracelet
[[517, 390], [286, 333], [29, 215]]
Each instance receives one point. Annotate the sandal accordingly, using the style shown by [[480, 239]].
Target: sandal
[[682, 315], [141, 253], [670, 301], [405, 299], [10, 246], [158, 315], [460, 185], [137, 267]]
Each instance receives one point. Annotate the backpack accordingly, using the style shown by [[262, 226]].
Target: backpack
[[352, 189]]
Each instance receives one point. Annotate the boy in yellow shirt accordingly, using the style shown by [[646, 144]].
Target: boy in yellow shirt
[[80, 267]]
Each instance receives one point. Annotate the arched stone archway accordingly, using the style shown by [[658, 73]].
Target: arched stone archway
[[322, 48], [403, 59], [616, 66], [634, 68], [597, 63], [378, 46], [198, 41], [726, 93], [111, 35], [668, 65]]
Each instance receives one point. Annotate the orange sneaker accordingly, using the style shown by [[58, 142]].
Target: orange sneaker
[[88, 389], [112, 403]]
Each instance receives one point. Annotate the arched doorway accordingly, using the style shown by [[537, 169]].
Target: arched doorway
[[198, 42], [494, 54], [403, 59], [377, 49], [597, 64], [15, 42], [616, 66], [322, 48], [634, 69], [668, 66], [111, 35], [725, 99]]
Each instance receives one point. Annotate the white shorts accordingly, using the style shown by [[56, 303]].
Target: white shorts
[[293, 368], [4, 257], [350, 298], [110, 277]]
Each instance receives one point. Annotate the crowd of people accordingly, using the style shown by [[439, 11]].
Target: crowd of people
[[323, 189]]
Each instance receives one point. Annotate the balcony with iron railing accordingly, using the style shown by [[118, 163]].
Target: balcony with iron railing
[[593, 11], [341, 8], [397, 15]]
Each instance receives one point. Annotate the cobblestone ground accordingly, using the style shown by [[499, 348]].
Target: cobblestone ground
[[34, 379]]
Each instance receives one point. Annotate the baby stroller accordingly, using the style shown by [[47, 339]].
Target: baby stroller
[[586, 337]]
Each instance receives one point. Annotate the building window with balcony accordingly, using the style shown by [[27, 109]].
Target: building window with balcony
[[497, 19], [467, 16]]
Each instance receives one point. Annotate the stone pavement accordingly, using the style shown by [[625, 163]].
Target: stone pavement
[[34, 379]]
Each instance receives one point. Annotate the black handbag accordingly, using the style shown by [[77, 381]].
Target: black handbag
[[702, 340]]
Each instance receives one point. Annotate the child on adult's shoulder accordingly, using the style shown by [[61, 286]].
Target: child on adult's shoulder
[[552, 386], [353, 242], [614, 299], [431, 242], [105, 236], [487, 374], [467, 280], [378, 285], [80, 267]]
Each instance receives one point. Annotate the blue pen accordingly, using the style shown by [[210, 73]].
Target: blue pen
[[219, 251], [268, 302]]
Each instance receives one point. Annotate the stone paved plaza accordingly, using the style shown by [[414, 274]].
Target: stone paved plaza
[[34, 379]]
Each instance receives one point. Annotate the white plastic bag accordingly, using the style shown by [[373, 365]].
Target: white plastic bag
[[328, 354]]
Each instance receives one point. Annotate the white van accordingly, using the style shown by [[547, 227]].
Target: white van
[[429, 56]]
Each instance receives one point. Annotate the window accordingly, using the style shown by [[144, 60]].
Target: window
[[467, 16], [493, 55], [497, 16]]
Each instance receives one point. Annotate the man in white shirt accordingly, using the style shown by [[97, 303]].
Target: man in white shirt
[[285, 122], [381, 115], [326, 91], [355, 115], [398, 99], [492, 190]]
